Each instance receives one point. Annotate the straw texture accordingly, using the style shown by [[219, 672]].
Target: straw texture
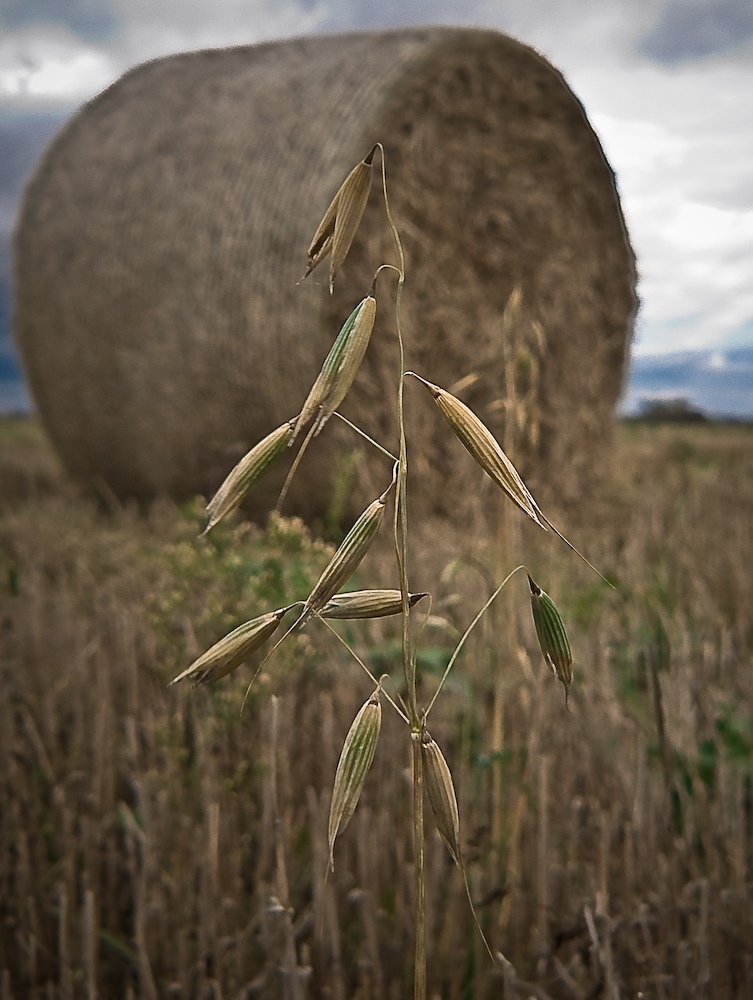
[[162, 236]]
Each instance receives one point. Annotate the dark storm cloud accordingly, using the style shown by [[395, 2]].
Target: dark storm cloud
[[92, 20], [692, 30]]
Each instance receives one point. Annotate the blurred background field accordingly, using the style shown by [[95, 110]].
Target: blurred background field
[[154, 842]]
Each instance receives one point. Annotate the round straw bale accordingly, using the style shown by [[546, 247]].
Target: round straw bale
[[162, 237]]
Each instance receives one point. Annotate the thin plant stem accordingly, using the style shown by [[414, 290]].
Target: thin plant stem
[[362, 665], [465, 635], [293, 467], [400, 534], [400, 523], [297, 604], [357, 429], [419, 968], [578, 553]]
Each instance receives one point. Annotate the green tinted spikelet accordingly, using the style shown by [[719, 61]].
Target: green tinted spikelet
[[339, 368], [349, 554], [230, 652], [442, 798], [354, 764], [550, 631], [248, 472]]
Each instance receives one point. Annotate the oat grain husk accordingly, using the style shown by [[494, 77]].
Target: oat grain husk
[[550, 631], [339, 368], [346, 559], [367, 604], [485, 449], [355, 761], [234, 649], [339, 225], [247, 473], [441, 791]]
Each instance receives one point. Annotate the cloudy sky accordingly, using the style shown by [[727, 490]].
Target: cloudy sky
[[667, 84]]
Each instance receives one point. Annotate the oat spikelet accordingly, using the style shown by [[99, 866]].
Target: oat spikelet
[[248, 472], [550, 631], [367, 604], [485, 449], [442, 798], [341, 220], [352, 768], [339, 368], [352, 357], [236, 648], [343, 563]]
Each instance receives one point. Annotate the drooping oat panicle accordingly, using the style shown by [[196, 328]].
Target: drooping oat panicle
[[248, 472], [367, 604], [339, 368], [485, 449], [442, 798], [236, 648], [550, 631], [355, 760], [341, 220], [349, 554]]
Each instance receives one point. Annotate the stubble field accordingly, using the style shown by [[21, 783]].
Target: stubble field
[[155, 842]]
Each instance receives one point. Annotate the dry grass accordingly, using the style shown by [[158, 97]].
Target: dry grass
[[149, 834]]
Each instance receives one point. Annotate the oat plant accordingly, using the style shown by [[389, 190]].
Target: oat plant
[[251, 642]]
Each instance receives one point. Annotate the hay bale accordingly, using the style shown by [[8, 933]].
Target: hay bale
[[163, 234]]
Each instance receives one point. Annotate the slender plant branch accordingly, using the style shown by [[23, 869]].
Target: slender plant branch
[[362, 665], [357, 429], [400, 521], [578, 553], [279, 641], [293, 468], [419, 968], [400, 534], [465, 635]]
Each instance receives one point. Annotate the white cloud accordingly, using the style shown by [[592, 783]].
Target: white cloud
[[44, 64], [47, 66], [152, 28], [684, 158]]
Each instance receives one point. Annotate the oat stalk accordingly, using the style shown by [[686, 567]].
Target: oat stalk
[[430, 771], [400, 534]]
